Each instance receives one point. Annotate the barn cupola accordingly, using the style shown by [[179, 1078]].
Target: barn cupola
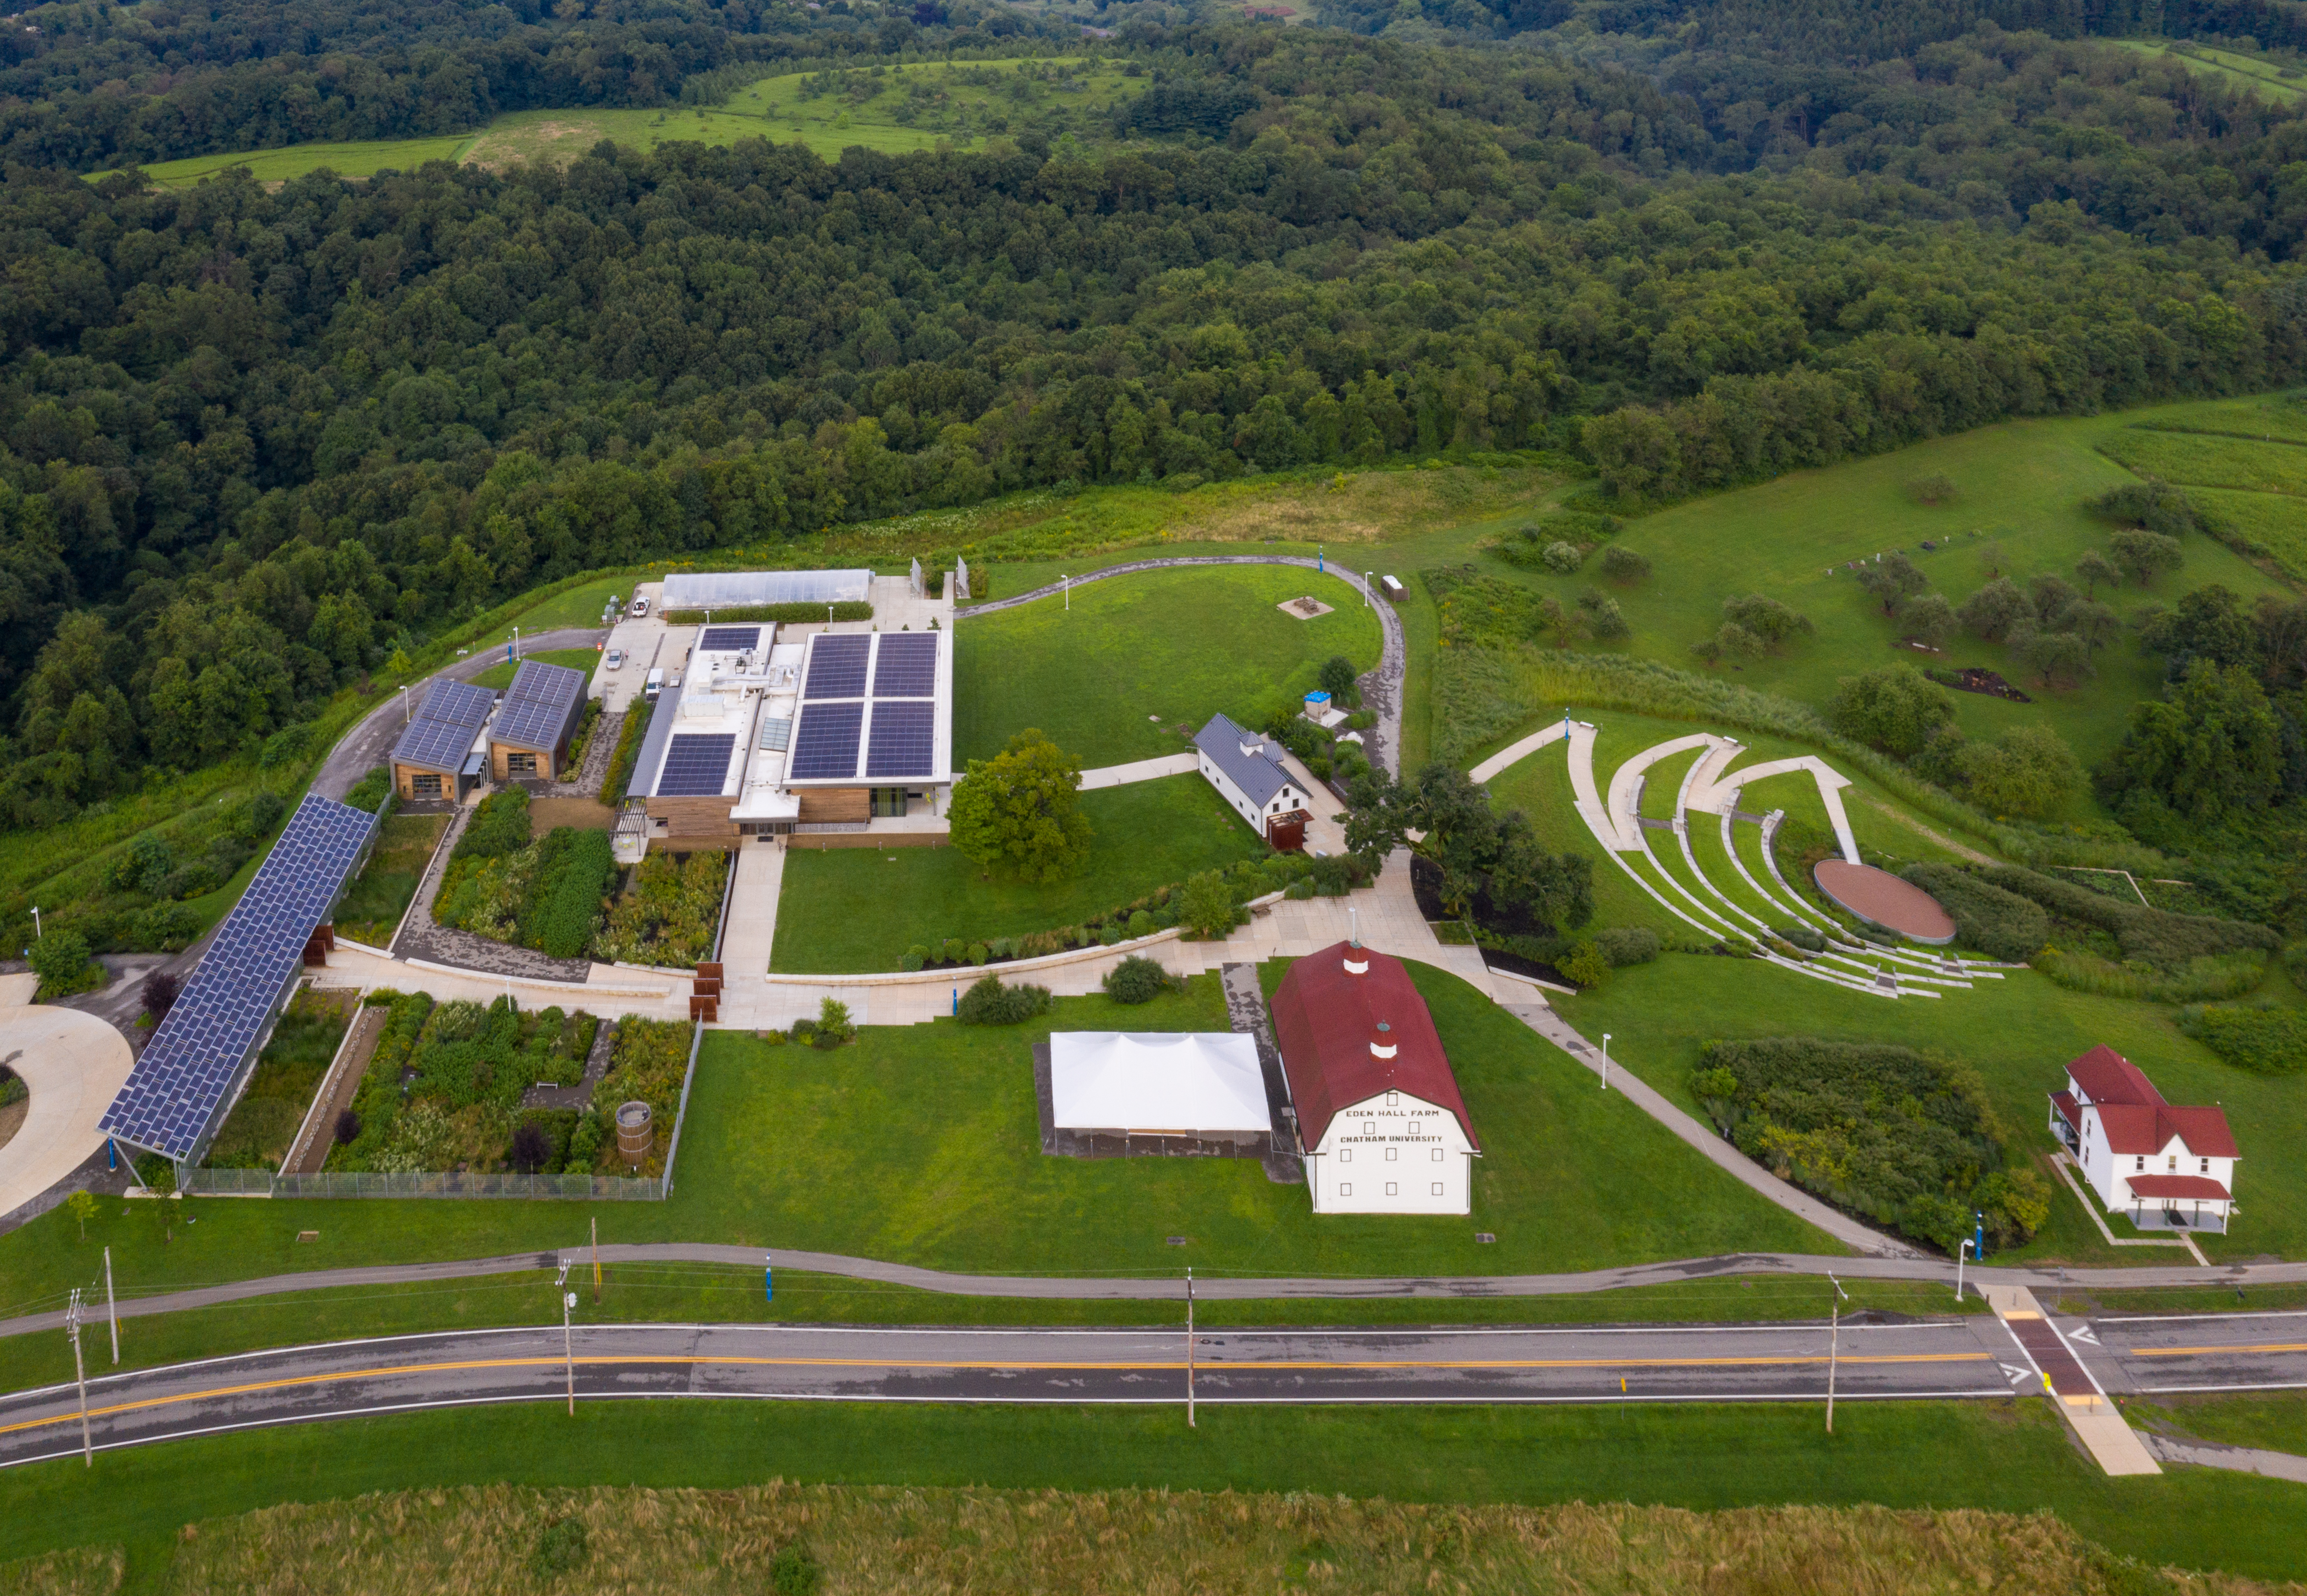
[[1382, 1044]]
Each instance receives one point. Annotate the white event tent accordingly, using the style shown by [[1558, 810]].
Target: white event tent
[[1158, 1083]]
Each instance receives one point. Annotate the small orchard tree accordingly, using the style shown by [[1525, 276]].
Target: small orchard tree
[[1893, 580], [1338, 678], [1623, 565], [1895, 709], [1994, 609], [81, 1206], [2145, 555], [2096, 570], [1020, 811], [1206, 907], [1766, 618], [1929, 619]]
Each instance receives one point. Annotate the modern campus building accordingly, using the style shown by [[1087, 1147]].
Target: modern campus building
[[2164, 1168], [1378, 1111], [528, 736], [443, 751]]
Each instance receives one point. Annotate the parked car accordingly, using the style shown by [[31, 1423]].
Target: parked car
[[615, 660], [640, 608]]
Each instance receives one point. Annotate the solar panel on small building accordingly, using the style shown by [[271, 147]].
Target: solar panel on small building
[[537, 704], [825, 745], [903, 740], [837, 667], [905, 666], [441, 733], [729, 639], [197, 1057], [695, 765]]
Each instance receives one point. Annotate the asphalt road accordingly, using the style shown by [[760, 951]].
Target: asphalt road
[[1944, 1360]]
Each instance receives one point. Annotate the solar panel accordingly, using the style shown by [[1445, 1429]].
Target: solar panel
[[445, 724], [195, 1058], [695, 765], [729, 639], [536, 706], [837, 667], [825, 745], [906, 666], [903, 740]]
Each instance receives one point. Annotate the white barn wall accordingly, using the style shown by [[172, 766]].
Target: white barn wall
[[1348, 1172]]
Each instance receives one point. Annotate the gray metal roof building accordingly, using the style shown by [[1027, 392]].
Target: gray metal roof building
[[1245, 758], [743, 589]]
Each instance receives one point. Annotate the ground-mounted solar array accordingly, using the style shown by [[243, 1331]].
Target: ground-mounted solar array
[[837, 667], [536, 706], [904, 741], [825, 745], [729, 639], [441, 733], [905, 666], [695, 765], [195, 1058]]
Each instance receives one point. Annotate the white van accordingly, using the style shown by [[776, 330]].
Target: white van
[[653, 685]]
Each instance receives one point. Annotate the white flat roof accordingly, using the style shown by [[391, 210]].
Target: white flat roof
[[1157, 1081], [739, 589]]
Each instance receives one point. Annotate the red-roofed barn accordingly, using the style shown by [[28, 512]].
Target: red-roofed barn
[[2167, 1168], [1378, 1111]]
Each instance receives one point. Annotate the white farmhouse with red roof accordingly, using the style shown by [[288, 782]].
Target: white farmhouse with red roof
[[1378, 1111], [2165, 1168]]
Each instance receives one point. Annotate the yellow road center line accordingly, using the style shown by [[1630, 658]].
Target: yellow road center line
[[1154, 1366], [2276, 1346]]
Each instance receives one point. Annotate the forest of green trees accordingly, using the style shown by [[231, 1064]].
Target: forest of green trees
[[251, 441]]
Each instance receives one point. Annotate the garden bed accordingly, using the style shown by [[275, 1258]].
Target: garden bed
[[668, 912], [544, 893], [381, 893], [264, 1122]]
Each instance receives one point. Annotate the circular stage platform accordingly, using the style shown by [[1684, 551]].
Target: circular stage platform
[[1880, 898]]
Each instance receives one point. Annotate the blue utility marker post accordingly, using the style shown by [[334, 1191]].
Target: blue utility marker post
[[769, 1278]]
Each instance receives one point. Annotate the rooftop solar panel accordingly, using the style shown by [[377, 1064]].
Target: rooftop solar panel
[[729, 639], [695, 765], [441, 733], [905, 667], [194, 1063], [825, 745], [903, 740], [837, 667], [536, 706]]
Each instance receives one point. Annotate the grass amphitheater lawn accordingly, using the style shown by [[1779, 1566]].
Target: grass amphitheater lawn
[[2020, 488], [854, 911], [1994, 1456], [1141, 655], [2018, 1034]]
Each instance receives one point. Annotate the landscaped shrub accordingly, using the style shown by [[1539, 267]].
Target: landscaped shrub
[[2000, 924], [1625, 945], [1903, 1140], [670, 913], [957, 952], [1135, 980], [1623, 565], [2267, 1039], [833, 1026], [369, 794], [914, 958], [1141, 924], [2157, 936], [575, 873], [978, 953], [499, 825], [61, 960], [1586, 965], [628, 751], [1804, 937], [989, 1002]]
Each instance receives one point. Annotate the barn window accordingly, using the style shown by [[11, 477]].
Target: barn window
[[1345, 1188], [2206, 1166], [1345, 1156], [1392, 1188], [1392, 1154], [1437, 1154], [2140, 1166], [2171, 1164], [1394, 1100], [1437, 1189]]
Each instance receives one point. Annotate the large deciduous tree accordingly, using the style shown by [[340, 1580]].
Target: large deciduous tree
[[1019, 812]]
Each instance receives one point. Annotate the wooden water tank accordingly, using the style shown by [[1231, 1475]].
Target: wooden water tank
[[635, 1133]]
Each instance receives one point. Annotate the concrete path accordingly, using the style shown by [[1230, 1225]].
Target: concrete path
[[2081, 1400], [1137, 770], [1835, 1224], [2243, 1460], [750, 936], [607, 989], [74, 1064], [1381, 688], [1514, 753]]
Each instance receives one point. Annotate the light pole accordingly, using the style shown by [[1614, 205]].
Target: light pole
[[111, 1309], [407, 714], [80, 1376], [1605, 1060], [1960, 1253], [568, 1346], [1833, 1347], [1189, 1346], [1368, 578], [37, 933]]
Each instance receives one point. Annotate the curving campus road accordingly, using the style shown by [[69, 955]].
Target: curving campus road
[[1954, 1359]]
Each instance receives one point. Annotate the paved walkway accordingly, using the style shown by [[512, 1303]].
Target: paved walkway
[[1206, 1284], [2097, 1423], [605, 990], [74, 1064], [1137, 770], [2211, 1455]]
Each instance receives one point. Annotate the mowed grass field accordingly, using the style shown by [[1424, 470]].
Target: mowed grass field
[[500, 675], [884, 115], [856, 910], [1994, 1456], [2018, 508], [2018, 1034], [1139, 655], [930, 1136]]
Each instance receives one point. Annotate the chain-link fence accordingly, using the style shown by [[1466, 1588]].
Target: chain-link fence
[[363, 1184]]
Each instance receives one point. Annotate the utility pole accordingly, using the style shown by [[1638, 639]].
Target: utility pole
[[568, 1347], [111, 1309], [80, 1376], [597, 1261], [1833, 1348], [1189, 1348]]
